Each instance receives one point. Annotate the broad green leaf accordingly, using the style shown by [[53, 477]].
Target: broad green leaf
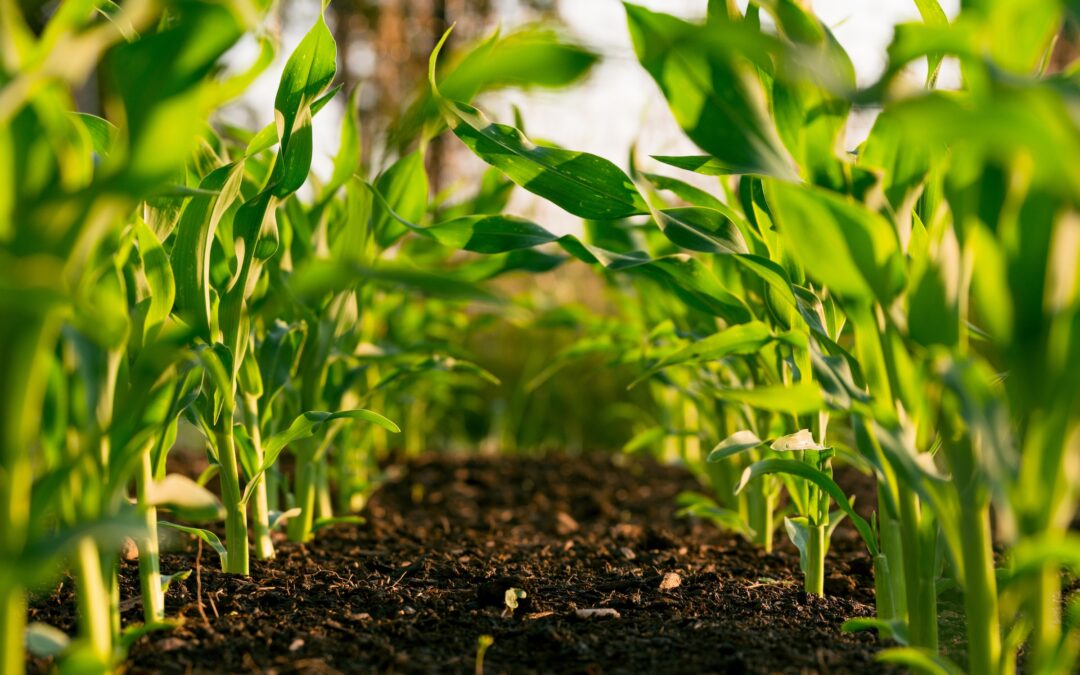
[[307, 75], [798, 531], [186, 498], [305, 426], [692, 195], [736, 443], [711, 87], [161, 79], [802, 470], [404, 191], [532, 56], [489, 234], [159, 276], [932, 15], [703, 164], [850, 249], [798, 441], [583, 184], [801, 398], [743, 339], [102, 132], [45, 641], [191, 251], [699, 228]]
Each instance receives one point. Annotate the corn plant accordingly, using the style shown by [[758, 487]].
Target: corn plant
[[888, 252]]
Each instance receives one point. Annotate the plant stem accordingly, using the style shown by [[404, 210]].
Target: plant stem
[[760, 505], [921, 591], [95, 622], [299, 528], [815, 566], [149, 558], [260, 505], [892, 548], [1044, 597], [236, 529], [980, 591], [12, 625]]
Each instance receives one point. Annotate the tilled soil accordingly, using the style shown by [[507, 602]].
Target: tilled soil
[[413, 588]]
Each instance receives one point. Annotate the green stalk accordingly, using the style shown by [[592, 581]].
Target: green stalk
[[761, 505], [299, 528], [892, 548], [260, 504], [95, 621], [1044, 600], [236, 529], [883, 589], [324, 504], [920, 586], [149, 557], [815, 566], [980, 591], [12, 626], [25, 340]]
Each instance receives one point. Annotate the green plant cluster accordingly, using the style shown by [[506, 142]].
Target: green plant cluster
[[161, 271], [911, 307]]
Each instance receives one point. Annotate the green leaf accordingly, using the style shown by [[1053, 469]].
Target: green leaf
[[207, 536], [191, 251], [892, 630], [321, 523], [532, 56], [742, 339], [489, 234], [798, 531], [307, 75], [736, 443], [712, 88], [920, 660], [305, 426], [801, 398], [168, 579], [45, 641], [102, 132], [279, 518], [802, 470], [703, 164], [698, 228], [852, 250], [185, 498], [159, 277], [699, 506], [933, 15], [404, 191], [581, 183]]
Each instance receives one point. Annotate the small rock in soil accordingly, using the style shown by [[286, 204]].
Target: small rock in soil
[[565, 524], [598, 613], [671, 580]]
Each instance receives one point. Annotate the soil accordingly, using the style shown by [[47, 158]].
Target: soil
[[413, 588]]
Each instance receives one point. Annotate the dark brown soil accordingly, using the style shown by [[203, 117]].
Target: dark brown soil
[[415, 587]]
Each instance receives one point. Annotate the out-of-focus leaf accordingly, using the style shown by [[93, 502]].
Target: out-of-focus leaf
[[711, 87], [850, 249], [534, 56]]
